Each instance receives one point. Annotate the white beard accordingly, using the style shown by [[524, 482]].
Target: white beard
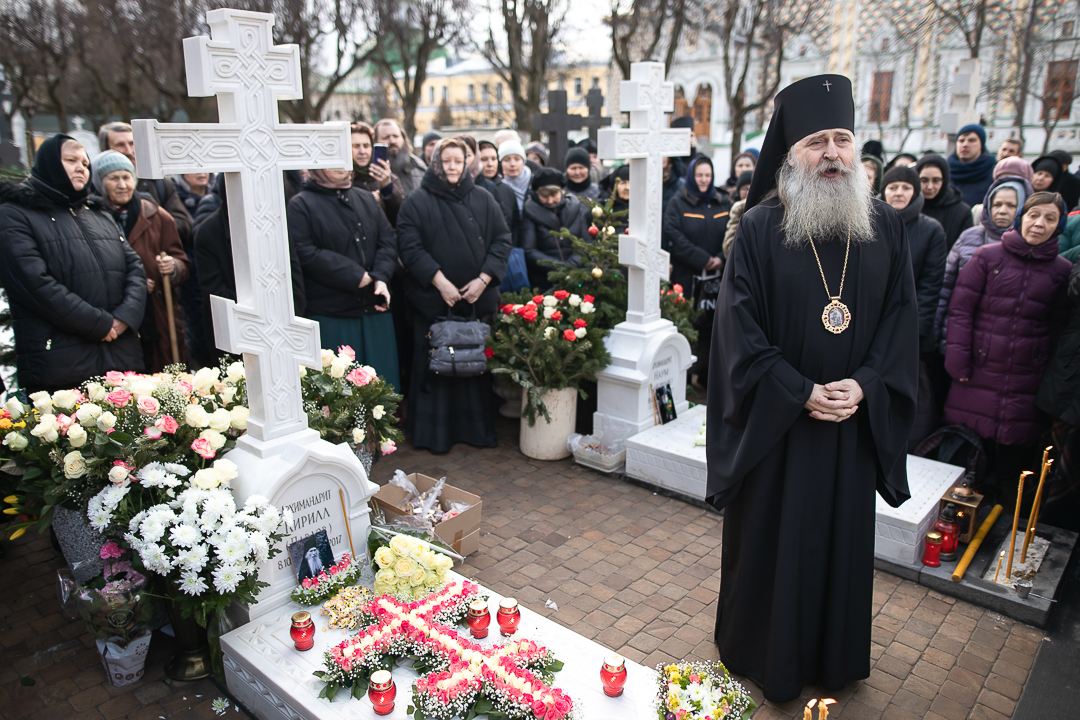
[[824, 208]]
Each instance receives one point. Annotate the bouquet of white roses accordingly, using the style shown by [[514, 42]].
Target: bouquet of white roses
[[206, 548]]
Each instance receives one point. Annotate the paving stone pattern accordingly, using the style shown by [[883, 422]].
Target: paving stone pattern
[[635, 571]]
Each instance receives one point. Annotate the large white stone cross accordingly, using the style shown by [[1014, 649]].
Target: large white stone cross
[[249, 74], [647, 141]]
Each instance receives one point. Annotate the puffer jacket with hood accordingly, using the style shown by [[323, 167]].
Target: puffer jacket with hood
[[1009, 305], [68, 273], [540, 244], [948, 207], [971, 240]]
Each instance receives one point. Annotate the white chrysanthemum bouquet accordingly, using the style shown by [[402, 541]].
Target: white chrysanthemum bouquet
[[206, 548]]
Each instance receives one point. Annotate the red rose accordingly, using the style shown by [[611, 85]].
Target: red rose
[[579, 323], [588, 298], [522, 310], [677, 288], [561, 294], [488, 352], [538, 299], [530, 315], [556, 316], [569, 335]]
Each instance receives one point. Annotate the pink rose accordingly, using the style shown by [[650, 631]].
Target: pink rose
[[184, 388], [326, 411], [306, 583], [348, 352], [118, 398], [387, 447], [167, 424], [114, 378], [64, 421], [152, 432], [358, 377], [148, 405], [562, 704], [538, 708], [202, 447]]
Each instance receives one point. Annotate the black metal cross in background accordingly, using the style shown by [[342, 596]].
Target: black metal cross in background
[[595, 120], [557, 123]]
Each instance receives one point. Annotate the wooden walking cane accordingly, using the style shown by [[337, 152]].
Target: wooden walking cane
[[166, 285]]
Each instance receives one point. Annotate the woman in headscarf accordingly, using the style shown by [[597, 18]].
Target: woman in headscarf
[[376, 178], [902, 160], [151, 231], [1011, 166], [694, 226], [1008, 307], [549, 210], [874, 169], [454, 245], [76, 288], [943, 200], [347, 253], [578, 179], [1048, 172]]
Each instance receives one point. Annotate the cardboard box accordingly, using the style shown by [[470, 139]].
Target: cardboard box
[[461, 532]]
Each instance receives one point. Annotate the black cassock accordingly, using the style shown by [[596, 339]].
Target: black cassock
[[798, 555]]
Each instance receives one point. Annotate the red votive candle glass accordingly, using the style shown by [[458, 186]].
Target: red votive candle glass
[[509, 616], [382, 691], [479, 619], [613, 675], [302, 630], [932, 555]]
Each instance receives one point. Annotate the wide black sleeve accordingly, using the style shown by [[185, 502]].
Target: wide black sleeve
[[755, 395], [386, 253], [498, 251], [929, 282], [213, 259], [530, 232], [889, 374], [25, 276], [331, 268], [131, 309], [417, 260]]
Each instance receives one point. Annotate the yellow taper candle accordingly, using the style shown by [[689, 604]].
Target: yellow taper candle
[[1016, 523], [976, 541], [1033, 516]]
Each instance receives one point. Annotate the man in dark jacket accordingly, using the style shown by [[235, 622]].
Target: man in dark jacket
[[118, 136], [547, 211], [943, 201], [972, 167], [77, 290]]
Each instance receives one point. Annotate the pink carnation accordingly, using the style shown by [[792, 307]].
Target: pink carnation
[[306, 583], [348, 352], [202, 447], [114, 378], [166, 423], [359, 377], [152, 432], [118, 398], [148, 405], [110, 550]]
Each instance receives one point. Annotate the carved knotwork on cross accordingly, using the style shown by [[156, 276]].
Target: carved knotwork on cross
[[645, 143], [249, 75]]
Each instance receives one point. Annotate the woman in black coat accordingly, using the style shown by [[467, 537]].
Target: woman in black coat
[[77, 290], [942, 200], [454, 244], [926, 240], [348, 254], [547, 211], [694, 226]]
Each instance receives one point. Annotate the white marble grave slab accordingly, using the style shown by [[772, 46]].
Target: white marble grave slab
[[274, 681], [901, 532], [665, 455]]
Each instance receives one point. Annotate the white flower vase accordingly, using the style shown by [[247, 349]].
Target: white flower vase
[[510, 392], [546, 440]]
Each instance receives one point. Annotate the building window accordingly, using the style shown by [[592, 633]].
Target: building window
[[596, 83], [577, 86], [1060, 86], [472, 93], [444, 93], [431, 93], [802, 51], [485, 92], [881, 97], [1067, 28], [562, 83], [884, 45], [498, 91]]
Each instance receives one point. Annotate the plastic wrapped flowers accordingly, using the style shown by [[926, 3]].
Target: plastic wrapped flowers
[[699, 690], [313, 591], [409, 568]]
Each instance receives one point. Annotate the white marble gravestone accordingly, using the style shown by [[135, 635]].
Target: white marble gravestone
[[645, 349], [901, 532], [324, 485]]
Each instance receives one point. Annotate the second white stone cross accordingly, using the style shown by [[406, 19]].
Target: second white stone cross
[[645, 143], [249, 74]]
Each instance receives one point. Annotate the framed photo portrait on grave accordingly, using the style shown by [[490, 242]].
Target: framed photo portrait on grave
[[311, 555]]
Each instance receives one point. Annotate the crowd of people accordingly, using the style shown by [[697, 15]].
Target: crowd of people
[[91, 255]]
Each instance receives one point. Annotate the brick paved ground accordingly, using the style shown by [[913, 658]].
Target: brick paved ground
[[637, 572]]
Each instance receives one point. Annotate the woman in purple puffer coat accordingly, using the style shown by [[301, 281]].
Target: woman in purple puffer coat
[[1009, 304]]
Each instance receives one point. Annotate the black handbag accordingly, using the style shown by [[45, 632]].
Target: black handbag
[[456, 346]]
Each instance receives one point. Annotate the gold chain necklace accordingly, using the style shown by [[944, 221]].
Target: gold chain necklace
[[836, 317]]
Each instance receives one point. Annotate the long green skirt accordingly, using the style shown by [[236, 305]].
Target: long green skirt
[[371, 336]]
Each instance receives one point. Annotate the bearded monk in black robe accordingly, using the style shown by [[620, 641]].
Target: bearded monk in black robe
[[811, 399]]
